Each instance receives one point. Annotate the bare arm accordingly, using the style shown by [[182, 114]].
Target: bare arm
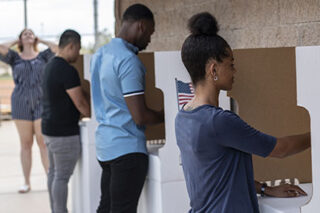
[[4, 48], [291, 145], [79, 101], [140, 113], [284, 190], [51, 45]]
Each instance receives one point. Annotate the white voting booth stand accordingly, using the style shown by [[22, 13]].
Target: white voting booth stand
[[86, 177], [308, 90]]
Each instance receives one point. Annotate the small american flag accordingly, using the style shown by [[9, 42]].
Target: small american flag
[[185, 93]]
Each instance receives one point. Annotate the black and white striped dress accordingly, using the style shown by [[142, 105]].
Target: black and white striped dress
[[27, 76]]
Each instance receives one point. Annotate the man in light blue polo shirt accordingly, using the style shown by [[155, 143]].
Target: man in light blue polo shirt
[[118, 83]]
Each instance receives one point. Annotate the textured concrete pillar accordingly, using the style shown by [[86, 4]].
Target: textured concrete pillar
[[243, 23]]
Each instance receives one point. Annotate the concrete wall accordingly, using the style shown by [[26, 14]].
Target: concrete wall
[[243, 23]]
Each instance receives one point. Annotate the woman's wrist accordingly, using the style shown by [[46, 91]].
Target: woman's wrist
[[268, 191]]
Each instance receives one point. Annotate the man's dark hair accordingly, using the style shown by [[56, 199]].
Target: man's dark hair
[[137, 12], [202, 45], [69, 36]]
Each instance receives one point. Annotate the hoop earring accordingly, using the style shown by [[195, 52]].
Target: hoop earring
[[215, 78]]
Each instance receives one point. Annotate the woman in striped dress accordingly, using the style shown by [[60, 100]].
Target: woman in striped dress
[[27, 67]]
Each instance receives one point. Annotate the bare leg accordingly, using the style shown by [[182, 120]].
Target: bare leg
[[42, 146], [25, 130]]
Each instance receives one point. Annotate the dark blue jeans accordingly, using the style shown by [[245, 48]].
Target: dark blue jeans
[[122, 181]]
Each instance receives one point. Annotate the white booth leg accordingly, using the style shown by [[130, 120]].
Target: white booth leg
[[308, 91]]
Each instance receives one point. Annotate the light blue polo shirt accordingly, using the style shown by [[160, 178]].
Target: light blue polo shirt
[[116, 73]]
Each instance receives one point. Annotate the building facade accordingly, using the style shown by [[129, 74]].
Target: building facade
[[243, 23]]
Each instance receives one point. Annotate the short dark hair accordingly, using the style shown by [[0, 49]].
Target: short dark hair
[[137, 12], [69, 36], [202, 45]]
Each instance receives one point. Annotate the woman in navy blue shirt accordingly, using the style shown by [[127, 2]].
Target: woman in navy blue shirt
[[217, 145], [27, 67]]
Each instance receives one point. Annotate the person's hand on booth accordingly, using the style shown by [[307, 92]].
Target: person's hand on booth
[[283, 190]]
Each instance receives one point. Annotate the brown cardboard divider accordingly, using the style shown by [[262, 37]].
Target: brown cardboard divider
[[154, 97], [265, 90], [85, 84]]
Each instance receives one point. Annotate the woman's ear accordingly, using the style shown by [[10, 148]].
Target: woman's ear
[[212, 69]]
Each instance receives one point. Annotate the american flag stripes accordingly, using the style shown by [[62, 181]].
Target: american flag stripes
[[185, 93]]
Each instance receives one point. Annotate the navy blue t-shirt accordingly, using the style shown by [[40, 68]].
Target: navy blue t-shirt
[[216, 147]]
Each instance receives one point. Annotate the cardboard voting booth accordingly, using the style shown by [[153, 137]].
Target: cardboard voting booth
[[275, 91], [265, 91]]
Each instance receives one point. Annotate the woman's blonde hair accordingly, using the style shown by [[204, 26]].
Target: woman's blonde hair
[[35, 44]]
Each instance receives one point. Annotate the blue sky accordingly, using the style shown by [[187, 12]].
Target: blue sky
[[49, 18]]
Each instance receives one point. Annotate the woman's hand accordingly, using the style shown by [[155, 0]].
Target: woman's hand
[[285, 190]]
